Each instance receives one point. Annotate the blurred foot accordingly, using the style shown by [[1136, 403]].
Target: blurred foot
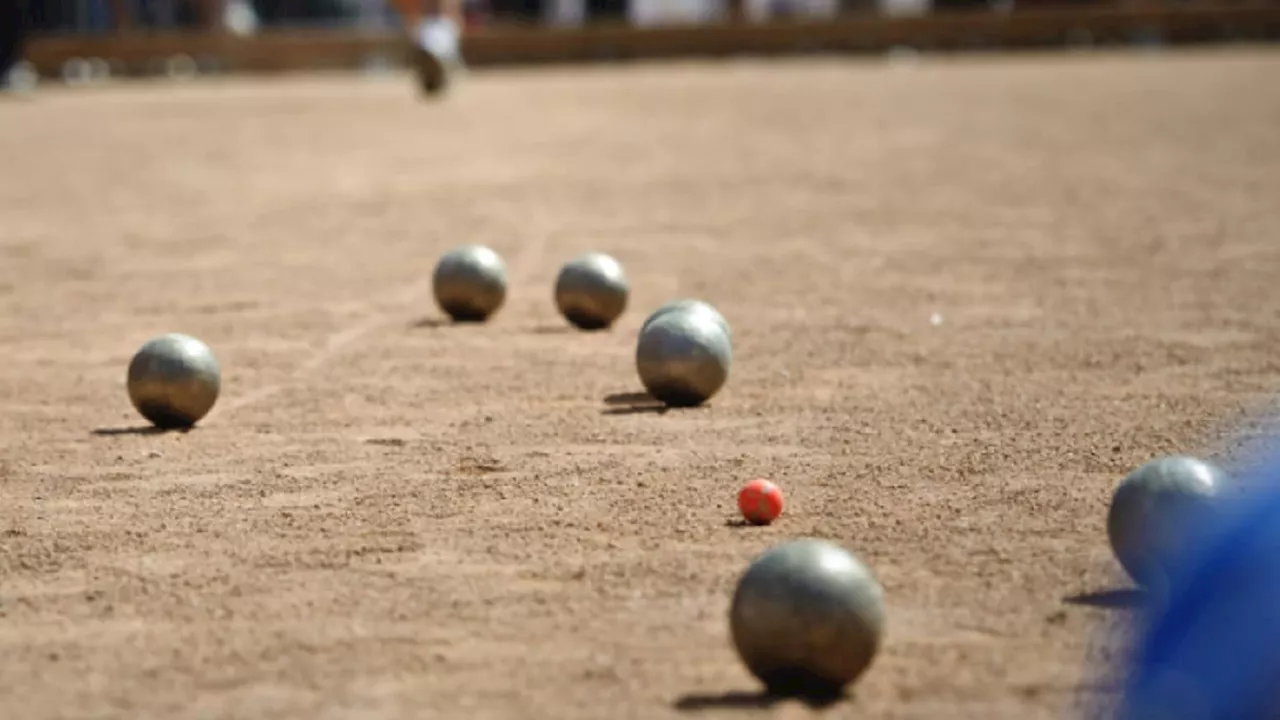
[[433, 76], [437, 57], [442, 38]]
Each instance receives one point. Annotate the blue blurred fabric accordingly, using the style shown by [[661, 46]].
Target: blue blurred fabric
[[1210, 650]]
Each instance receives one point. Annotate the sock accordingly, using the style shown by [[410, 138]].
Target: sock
[[439, 36]]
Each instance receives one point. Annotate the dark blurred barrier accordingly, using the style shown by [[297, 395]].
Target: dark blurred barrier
[[277, 50], [937, 31]]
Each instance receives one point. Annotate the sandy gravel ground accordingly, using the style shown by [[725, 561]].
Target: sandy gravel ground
[[386, 517]]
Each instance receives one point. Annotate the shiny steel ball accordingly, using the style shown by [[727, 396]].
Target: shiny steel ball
[[174, 380], [683, 358], [591, 291], [470, 283], [807, 618], [1154, 512], [690, 304]]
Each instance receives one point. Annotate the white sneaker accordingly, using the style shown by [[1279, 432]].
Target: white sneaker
[[440, 37], [437, 57]]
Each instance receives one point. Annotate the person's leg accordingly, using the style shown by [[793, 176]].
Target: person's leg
[[412, 12], [435, 28]]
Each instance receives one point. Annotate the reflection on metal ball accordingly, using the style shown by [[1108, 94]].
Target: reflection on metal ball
[[174, 380], [807, 618], [690, 304], [683, 358], [470, 283], [1154, 512], [591, 291]]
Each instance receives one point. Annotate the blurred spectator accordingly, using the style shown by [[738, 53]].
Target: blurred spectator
[[608, 10], [905, 8], [474, 13], [166, 14], [304, 12], [518, 11], [60, 16], [239, 17], [48, 16], [13, 31]]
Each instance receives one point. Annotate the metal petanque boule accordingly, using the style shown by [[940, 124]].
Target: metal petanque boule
[[1154, 512], [76, 71], [181, 67], [99, 70], [591, 291], [174, 380], [470, 283], [683, 358], [690, 304], [22, 78], [807, 618]]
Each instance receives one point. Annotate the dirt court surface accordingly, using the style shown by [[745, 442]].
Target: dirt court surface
[[385, 517]]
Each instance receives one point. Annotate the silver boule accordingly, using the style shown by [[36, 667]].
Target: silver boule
[[1155, 510], [807, 618], [591, 291], [691, 304], [470, 283], [23, 77], [683, 358], [181, 67], [174, 380], [99, 69]]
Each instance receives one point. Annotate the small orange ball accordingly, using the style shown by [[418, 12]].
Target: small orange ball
[[760, 502]]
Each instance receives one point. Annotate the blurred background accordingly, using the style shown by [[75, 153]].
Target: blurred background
[[80, 40], [105, 16]]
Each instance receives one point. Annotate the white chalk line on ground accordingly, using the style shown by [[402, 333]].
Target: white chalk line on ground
[[337, 342], [333, 345]]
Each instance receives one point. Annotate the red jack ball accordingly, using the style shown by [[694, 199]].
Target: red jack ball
[[760, 502]]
